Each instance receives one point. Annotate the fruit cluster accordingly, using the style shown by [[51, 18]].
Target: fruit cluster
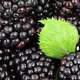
[[21, 54]]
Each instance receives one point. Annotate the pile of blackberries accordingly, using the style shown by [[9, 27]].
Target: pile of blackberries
[[20, 56]]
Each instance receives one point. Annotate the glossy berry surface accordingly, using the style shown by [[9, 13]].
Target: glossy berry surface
[[17, 26], [70, 67], [19, 29], [31, 64]]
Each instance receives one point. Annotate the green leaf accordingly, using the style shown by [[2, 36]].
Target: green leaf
[[58, 38]]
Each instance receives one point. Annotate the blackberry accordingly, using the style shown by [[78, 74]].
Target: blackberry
[[30, 64], [19, 21], [69, 69], [18, 34], [69, 10], [17, 27]]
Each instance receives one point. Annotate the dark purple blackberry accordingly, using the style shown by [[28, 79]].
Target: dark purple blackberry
[[69, 10], [32, 65], [18, 34], [17, 27], [70, 67]]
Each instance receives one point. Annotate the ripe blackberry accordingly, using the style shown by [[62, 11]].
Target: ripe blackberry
[[70, 67], [20, 8], [18, 34], [32, 65], [68, 10], [18, 21], [17, 27]]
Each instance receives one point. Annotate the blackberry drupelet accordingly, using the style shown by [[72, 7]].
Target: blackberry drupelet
[[32, 65], [70, 67], [4, 75]]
